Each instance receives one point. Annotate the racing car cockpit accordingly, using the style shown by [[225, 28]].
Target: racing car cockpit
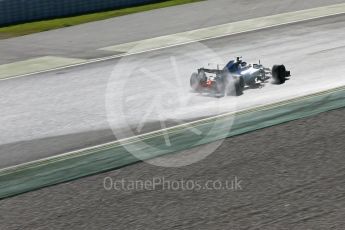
[[235, 66]]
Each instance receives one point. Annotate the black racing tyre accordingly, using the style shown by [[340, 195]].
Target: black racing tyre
[[237, 86], [195, 82], [241, 83], [279, 74]]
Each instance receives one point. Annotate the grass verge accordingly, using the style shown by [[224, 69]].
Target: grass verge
[[45, 25]]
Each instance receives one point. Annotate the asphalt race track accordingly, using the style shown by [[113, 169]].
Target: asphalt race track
[[51, 113], [83, 41], [292, 177]]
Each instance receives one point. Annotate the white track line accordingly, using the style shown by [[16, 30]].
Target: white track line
[[337, 9], [133, 139]]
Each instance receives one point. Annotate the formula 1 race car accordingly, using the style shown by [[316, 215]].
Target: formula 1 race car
[[235, 76]]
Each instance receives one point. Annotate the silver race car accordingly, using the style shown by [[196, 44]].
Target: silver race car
[[235, 76]]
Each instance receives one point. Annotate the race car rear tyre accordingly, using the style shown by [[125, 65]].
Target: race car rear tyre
[[195, 82], [279, 74], [237, 87], [241, 83]]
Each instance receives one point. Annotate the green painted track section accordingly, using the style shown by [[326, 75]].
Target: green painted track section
[[70, 166]]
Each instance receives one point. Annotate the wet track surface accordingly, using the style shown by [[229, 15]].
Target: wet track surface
[[51, 113], [82, 41], [292, 177]]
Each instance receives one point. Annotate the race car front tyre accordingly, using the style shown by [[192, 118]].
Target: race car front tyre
[[279, 74]]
